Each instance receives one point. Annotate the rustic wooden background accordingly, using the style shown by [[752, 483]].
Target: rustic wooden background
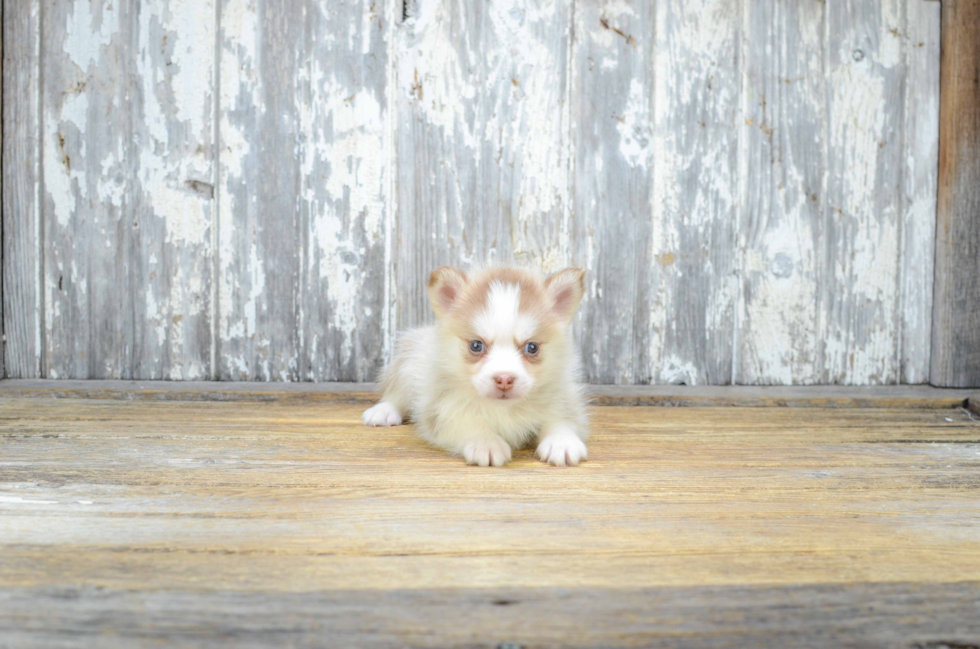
[[257, 189]]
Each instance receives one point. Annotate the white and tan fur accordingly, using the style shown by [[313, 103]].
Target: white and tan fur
[[482, 405]]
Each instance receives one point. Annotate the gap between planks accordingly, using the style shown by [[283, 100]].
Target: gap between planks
[[822, 396]]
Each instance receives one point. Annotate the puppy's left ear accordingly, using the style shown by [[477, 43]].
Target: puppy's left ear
[[566, 288], [445, 288]]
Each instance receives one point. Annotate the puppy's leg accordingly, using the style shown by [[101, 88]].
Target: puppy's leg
[[560, 445], [463, 434], [396, 388], [384, 413], [391, 409], [491, 450]]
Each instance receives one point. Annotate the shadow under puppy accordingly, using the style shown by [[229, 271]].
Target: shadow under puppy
[[497, 370]]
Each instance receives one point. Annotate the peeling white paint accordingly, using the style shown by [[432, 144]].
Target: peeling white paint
[[338, 264], [63, 180], [112, 183], [344, 186], [535, 65], [861, 349], [88, 33], [256, 291], [431, 72], [676, 370], [239, 91], [167, 167], [493, 98], [635, 127], [486, 101], [352, 155], [154, 316], [193, 37], [921, 132]]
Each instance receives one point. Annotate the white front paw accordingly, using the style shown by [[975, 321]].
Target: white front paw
[[562, 447], [383, 414], [487, 452]]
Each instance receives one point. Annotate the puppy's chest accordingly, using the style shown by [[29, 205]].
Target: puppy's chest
[[506, 420]]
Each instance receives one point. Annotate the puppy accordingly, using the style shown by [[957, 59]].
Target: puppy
[[496, 370]]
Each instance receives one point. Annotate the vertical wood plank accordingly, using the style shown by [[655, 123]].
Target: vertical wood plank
[[21, 178], [127, 188], [956, 316], [346, 156], [695, 191], [612, 112], [302, 194], [87, 215], [3, 340], [921, 155], [783, 165], [482, 140], [839, 155], [859, 315], [174, 189], [259, 229]]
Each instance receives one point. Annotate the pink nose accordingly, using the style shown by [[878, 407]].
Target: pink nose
[[504, 381]]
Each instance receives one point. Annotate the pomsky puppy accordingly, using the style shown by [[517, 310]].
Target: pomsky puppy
[[496, 370]]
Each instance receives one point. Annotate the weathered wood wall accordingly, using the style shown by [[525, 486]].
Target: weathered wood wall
[[257, 189]]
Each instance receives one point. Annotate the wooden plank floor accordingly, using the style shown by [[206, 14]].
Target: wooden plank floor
[[281, 523]]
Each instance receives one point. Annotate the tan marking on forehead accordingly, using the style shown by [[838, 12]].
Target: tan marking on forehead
[[476, 295]]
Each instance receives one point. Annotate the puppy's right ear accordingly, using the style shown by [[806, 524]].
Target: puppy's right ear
[[566, 288], [445, 288]]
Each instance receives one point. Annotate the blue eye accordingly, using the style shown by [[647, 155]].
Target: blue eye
[[531, 349], [476, 346]]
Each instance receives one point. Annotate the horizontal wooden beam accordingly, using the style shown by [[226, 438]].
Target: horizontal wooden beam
[[808, 396], [861, 614], [818, 396]]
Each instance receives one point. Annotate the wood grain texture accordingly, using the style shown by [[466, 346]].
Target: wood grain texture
[[859, 306], [695, 191], [921, 133], [21, 178], [612, 95], [922, 616], [482, 140], [833, 288], [703, 516], [956, 315], [303, 196], [127, 161], [3, 341], [784, 168], [261, 242]]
